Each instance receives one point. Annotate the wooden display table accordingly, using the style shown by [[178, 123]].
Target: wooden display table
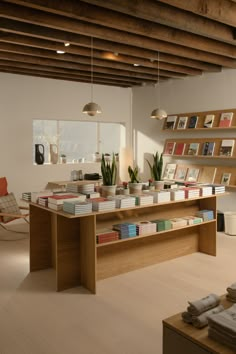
[[68, 242], [182, 338]]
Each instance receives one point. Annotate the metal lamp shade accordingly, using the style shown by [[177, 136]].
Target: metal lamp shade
[[158, 114], [92, 108]]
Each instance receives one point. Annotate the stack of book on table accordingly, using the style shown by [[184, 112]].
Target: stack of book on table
[[125, 230], [123, 201], [191, 192], [143, 199], [178, 222], [145, 227], [26, 196], [43, 201], [160, 196], [35, 195], [206, 215], [107, 235], [205, 190], [162, 224], [56, 201], [177, 194], [77, 207], [217, 188], [80, 188], [101, 204]]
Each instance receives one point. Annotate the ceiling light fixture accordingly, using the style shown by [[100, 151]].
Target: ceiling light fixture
[[66, 44], [135, 64], [92, 108], [158, 113], [60, 52]]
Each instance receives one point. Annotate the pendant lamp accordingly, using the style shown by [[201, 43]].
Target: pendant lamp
[[158, 113], [92, 108]]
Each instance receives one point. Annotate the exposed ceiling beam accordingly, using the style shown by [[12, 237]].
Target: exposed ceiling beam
[[77, 39], [184, 20], [142, 34], [218, 10], [84, 51]]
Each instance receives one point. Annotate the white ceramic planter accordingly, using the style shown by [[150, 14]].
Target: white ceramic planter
[[108, 190], [135, 188]]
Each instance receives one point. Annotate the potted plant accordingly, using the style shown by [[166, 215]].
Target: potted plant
[[109, 174], [156, 169], [135, 185], [63, 158]]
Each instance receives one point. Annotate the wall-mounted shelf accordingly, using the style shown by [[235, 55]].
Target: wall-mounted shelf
[[171, 145], [216, 121]]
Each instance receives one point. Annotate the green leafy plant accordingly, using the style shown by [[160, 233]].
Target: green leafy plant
[[133, 174], [156, 167], [109, 171]]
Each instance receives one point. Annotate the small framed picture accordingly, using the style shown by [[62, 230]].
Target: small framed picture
[[225, 178]]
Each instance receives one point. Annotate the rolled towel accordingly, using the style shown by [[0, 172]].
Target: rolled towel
[[202, 320], [197, 307], [187, 317], [232, 290], [225, 322]]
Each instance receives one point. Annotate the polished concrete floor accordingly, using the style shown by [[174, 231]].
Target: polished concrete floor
[[125, 317]]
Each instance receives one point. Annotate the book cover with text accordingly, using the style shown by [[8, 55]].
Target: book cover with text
[[193, 122], [226, 119], [208, 122]]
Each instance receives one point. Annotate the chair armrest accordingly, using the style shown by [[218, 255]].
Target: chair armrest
[[14, 215]]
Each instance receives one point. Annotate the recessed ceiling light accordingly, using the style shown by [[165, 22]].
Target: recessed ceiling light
[[116, 54], [67, 44], [136, 64], [60, 52]]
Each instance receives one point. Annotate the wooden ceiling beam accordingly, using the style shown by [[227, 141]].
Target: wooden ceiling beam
[[13, 48], [63, 77], [84, 51], [75, 66], [184, 20], [123, 29], [77, 39], [218, 10], [71, 72]]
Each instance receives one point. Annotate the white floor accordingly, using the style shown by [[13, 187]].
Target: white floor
[[125, 317]]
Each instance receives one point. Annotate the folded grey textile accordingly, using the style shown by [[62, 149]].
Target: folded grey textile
[[201, 320], [225, 321], [197, 307], [232, 287], [216, 335], [230, 298]]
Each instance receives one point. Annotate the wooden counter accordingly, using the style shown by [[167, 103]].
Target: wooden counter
[[68, 242]]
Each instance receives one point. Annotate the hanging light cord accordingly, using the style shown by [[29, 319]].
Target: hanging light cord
[[158, 80], [91, 69]]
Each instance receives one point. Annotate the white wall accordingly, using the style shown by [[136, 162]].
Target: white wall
[[24, 98], [211, 91]]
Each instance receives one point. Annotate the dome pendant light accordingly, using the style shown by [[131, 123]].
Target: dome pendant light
[[92, 108], [158, 113]]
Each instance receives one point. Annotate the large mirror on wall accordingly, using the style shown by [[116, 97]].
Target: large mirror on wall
[[77, 141]]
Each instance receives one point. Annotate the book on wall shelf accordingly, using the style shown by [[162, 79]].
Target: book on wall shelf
[[225, 178], [193, 122], [170, 122], [179, 148], [226, 119], [182, 123], [169, 148], [226, 148], [208, 148], [169, 171], [192, 174], [208, 122], [193, 149], [180, 173]]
